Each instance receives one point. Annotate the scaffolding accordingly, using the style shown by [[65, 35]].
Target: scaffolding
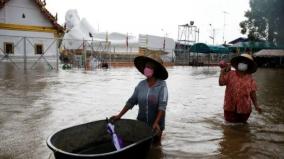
[[31, 53], [188, 34]]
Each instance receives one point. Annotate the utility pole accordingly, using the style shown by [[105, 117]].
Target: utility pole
[[197, 31], [224, 12], [213, 34], [165, 34]]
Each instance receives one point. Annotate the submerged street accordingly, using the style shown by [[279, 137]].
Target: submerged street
[[38, 103]]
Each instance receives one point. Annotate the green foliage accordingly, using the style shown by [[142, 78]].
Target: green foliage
[[265, 21]]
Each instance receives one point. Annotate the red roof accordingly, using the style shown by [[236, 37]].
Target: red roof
[[41, 4]]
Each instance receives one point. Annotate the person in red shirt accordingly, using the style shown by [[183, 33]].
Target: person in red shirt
[[240, 89]]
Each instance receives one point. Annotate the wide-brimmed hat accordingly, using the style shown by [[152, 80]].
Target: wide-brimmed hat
[[160, 71], [246, 58]]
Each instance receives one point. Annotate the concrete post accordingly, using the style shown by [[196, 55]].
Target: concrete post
[[25, 54], [57, 53]]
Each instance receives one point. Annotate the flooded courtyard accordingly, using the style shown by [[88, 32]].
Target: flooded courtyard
[[37, 103]]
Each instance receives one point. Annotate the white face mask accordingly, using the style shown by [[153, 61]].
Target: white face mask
[[242, 67]]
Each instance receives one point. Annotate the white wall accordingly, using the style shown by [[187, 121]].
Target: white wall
[[26, 33], [32, 38], [123, 49], [2, 15], [14, 9], [156, 43]]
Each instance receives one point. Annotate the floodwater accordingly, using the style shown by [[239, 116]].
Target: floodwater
[[35, 104]]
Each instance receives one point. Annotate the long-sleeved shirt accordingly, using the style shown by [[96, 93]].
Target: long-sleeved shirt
[[150, 100], [238, 89]]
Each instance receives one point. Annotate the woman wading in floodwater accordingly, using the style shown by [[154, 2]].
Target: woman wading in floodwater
[[151, 95], [240, 89]]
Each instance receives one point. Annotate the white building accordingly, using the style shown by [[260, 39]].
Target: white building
[[157, 43], [80, 34], [28, 29]]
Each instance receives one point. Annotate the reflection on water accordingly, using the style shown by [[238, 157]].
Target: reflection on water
[[271, 93], [236, 141], [38, 102]]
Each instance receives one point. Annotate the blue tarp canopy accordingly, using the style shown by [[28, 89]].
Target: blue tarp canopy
[[219, 49], [204, 48]]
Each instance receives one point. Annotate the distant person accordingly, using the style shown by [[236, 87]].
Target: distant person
[[104, 65], [66, 62], [240, 89], [151, 95]]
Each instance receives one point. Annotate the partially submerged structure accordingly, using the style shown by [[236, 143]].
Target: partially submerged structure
[[81, 39], [270, 58], [200, 54], [28, 31]]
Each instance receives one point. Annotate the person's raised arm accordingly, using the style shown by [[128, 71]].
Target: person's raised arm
[[223, 75]]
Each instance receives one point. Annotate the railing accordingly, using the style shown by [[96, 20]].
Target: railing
[[30, 52], [184, 57], [22, 52]]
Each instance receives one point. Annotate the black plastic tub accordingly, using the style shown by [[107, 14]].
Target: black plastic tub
[[91, 140]]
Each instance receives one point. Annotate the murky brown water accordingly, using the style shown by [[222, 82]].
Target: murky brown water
[[37, 103]]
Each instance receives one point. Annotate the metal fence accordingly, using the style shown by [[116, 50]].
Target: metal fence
[[52, 53], [29, 52], [91, 54], [184, 57]]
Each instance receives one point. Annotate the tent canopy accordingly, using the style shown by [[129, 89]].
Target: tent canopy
[[258, 45], [269, 53], [219, 49], [204, 48]]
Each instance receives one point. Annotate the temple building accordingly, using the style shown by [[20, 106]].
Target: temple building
[[28, 30]]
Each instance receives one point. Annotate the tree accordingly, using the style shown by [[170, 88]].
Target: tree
[[265, 21]]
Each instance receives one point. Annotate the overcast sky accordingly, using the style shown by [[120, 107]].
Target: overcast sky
[[158, 17]]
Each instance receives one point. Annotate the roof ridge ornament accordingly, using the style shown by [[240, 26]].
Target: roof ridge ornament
[[44, 3]]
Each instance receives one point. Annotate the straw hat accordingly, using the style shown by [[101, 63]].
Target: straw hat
[[160, 71], [246, 58]]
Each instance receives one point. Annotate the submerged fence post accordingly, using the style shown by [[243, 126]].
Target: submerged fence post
[[25, 54], [57, 63]]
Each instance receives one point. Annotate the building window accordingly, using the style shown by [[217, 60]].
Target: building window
[[9, 48], [38, 49]]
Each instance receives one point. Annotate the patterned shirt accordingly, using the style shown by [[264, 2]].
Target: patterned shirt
[[238, 89]]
